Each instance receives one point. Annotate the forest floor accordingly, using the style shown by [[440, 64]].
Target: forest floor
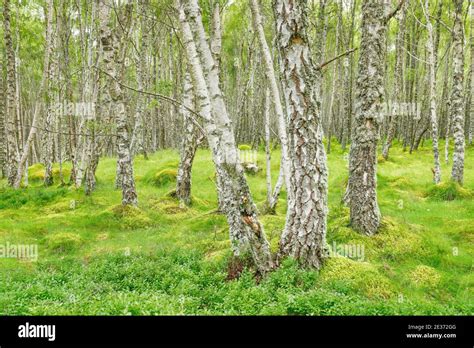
[[96, 258]]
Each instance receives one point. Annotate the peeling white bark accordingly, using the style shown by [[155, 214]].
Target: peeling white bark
[[275, 92], [115, 97], [432, 93], [246, 232], [457, 105], [10, 119], [304, 236]]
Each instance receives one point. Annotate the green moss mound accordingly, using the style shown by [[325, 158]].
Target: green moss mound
[[131, 217], [161, 178], [448, 191], [394, 240], [359, 276], [168, 205], [36, 173], [425, 276], [63, 242]]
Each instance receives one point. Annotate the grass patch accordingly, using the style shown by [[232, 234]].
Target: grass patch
[[161, 178], [63, 242], [448, 191]]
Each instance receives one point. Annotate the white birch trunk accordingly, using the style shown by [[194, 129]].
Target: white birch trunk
[[21, 168], [246, 232], [10, 119], [304, 237], [275, 92], [432, 94], [115, 96], [456, 111]]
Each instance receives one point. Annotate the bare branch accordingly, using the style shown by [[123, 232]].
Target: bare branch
[[160, 96], [394, 12], [337, 57]]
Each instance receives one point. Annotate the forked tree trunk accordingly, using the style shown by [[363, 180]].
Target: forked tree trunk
[[246, 232], [87, 123], [275, 92], [456, 111], [304, 236]]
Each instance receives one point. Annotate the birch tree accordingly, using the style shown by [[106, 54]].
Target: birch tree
[[10, 117], [138, 137], [275, 92], [22, 164], [3, 143], [362, 187], [304, 236], [470, 104], [191, 140], [115, 99], [51, 113], [246, 232], [456, 111], [430, 47], [398, 79], [192, 134]]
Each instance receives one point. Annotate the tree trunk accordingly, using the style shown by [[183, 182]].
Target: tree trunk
[[304, 236], [275, 92], [430, 47], [398, 79], [470, 105], [115, 98], [348, 82], [457, 112], [334, 82], [51, 114], [268, 155], [246, 232], [362, 187], [10, 119], [3, 143], [138, 137], [189, 145], [21, 168]]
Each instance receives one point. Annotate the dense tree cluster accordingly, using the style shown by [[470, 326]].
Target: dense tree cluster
[[83, 79]]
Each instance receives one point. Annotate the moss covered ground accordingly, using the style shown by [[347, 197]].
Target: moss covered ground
[[96, 257]]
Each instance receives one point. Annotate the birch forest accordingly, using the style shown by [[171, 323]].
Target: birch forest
[[236, 157]]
